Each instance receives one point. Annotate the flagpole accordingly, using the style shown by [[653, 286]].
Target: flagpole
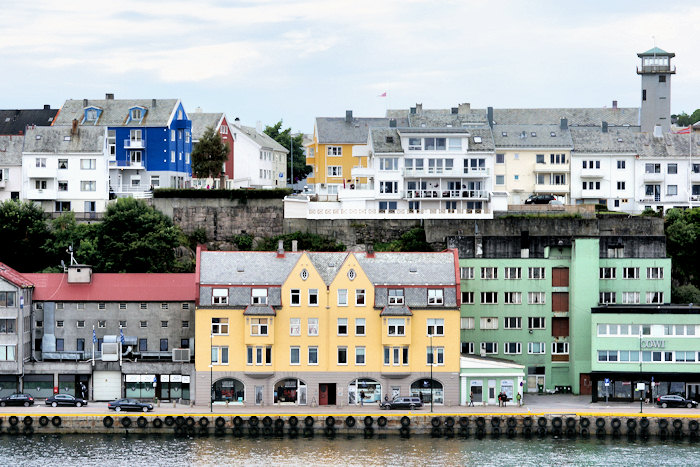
[[93, 345], [121, 334]]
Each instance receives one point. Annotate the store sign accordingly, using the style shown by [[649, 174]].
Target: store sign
[[175, 378], [164, 378], [133, 378], [653, 344], [185, 379], [147, 378]]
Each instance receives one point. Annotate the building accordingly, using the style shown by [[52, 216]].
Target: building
[[261, 162], [77, 319], [15, 122], [528, 284], [149, 141], [483, 379], [326, 328], [10, 167], [656, 72], [66, 169], [218, 122]]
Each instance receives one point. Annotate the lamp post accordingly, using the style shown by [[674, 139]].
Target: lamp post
[[641, 391], [291, 160], [211, 373], [432, 362]]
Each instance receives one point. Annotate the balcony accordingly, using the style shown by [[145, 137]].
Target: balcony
[[653, 177], [551, 168], [592, 173], [475, 172], [357, 172], [446, 194], [40, 172], [131, 191], [134, 144], [2, 184], [432, 172], [592, 194], [556, 189], [656, 69], [42, 194], [136, 165], [80, 216], [695, 176]]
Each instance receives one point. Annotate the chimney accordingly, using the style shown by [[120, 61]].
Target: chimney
[[564, 124], [280, 249], [74, 127], [258, 126], [370, 250], [455, 110], [85, 102], [109, 96], [413, 110], [419, 108], [294, 245], [348, 116], [614, 104], [392, 123], [47, 107], [79, 274], [153, 102], [605, 127], [658, 132], [462, 108], [489, 116]]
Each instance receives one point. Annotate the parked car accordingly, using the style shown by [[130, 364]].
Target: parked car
[[403, 403], [540, 199], [675, 401], [17, 399], [129, 404], [65, 399]]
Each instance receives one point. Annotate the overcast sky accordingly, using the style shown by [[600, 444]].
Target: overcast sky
[[298, 59]]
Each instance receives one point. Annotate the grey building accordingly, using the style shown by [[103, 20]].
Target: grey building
[[656, 71]]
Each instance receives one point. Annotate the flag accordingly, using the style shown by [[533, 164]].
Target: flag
[[121, 335], [383, 94], [683, 131], [94, 336]]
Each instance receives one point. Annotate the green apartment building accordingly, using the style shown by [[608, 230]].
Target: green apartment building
[[529, 287]]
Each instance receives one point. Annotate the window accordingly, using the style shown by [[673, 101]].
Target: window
[[294, 355], [7, 326], [435, 297], [630, 273], [606, 297], [219, 296], [535, 298], [342, 297], [249, 355], [395, 296], [512, 322], [388, 164], [40, 184], [342, 355], [360, 297], [466, 323], [335, 151], [629, 298], [620, 185], [143, 324], [88, 185], [489, 298], [312, 326], [80, 345], [672, 190], [359, 355], [652, 168], [655, 297], [122, 323], [313, 355], [500, 179], [164, 345], [313, 297], [672, 168], [560, 348], [342, 326], [436, 327], [258, 326], [259, 296], [489, 348], [435, 355], [40, 162], [185, 324], [143, 306], [655, 273], [513, 273], [512, 348], [163, 306], [488, 323], [7, 299], [102, 323], [62, 185], [59, 324], [219, 326], [219, 355], [80, 323], [295, 326], [59, 345], [489, 273], [536, 322], [539, 158], [513, 298], [467, 298], [607, 273], [535, 347], [396, 327], [359, 326], [466, 273], [535, 273], [295, 297], [500, 158], [335, 171], [143, 345]]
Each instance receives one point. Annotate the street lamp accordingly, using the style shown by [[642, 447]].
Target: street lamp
[[291, 160], [211, 372], [640, 386], [432, 362]]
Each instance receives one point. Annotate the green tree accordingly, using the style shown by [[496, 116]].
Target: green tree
[[683, 119], [413, 240], [209, 155], [685, 294], [66, 231], [134, 237], [23, 235], [682, 241], [301, 170]]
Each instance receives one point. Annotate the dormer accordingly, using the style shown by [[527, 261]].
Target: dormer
[[136, 114], [91, 115]]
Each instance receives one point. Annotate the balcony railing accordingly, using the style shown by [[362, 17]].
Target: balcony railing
[[138, 165], [134, 144], [446, 194], [79, 216], [431, 172], [132, 191]]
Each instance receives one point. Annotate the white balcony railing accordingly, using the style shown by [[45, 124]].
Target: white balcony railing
[[134, 144], [446, 194]]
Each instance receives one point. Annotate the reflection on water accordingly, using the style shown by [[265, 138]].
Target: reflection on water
[[163, 450]]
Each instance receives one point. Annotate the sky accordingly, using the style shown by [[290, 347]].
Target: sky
[[294, 60]]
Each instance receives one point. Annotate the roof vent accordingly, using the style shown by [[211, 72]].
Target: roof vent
[[413, 110], [348, 116], [455, 110], [240, 269], [605, 127], [533, 134], [390, 140], [523, 135], [47, 107], [413, 269], [564, 124], [503, 133], [552, 134], [619, 140], [109, 96], [85, 102], [392, 123], [477, 139], [614, 104]]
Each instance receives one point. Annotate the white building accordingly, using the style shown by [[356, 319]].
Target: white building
[[259, 161], [10, 166]]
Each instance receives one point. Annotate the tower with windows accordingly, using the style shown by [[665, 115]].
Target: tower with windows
[[656, 71]]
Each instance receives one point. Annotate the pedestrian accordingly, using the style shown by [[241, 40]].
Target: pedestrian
[[471, 399], [519, 398], [505, 399], [362, 398], [386, 397]]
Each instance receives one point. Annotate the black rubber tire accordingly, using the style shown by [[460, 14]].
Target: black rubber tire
[[368, 421], [631, 423], [600, 433], [180, 420], [584, 422], [480, 422], [309, 421], [203, 431], [279, 424], [449, 421], [678, 434], [463, 432], [107, 421], [169, 420], [190, 431], [615, 423], [542, 422], [157, 423], [436, 432], [141, 422], [541, 431], [220, 422], [510, 432], [27, 421], [693, 436], [557, 433], [293, 432], [267, 432], [329, 431], [616, 433], [496, 421], [527, 422], [631, 435], [28, 430], [405, 421], [644, 434], [693, 425], [219, 431], [13, 430], [571, 422], [464, 422], [308, 432], [330, 421], [480, 433], [570, 432], [527, 432], [382, 421], [449, 432], [600, 423], [237, 421], [511, 422], [556, 422], [238, 432], [350, 421], [14, 420], [405, 432], [44, 420], [56, 421], [644, 422], [368, 432], [278, 433], [662, 434], [293, 420], [125, 422], [189, 421], [585, 433], [253, 431], [663, 423], [267, 421], [203, 421], [678, 424], [435, 422], [253, 421], [495, 432]]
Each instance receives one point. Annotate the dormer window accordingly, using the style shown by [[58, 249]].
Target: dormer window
[[259, 297], [90, 115], [395, 296], [136, 114]]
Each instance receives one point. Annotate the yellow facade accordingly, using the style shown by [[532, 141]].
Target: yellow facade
[[323, 156]]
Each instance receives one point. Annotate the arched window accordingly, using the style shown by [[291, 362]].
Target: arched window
[[425, 390], [228, 389]]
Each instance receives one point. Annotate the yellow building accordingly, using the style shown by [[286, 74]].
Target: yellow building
[[327, 328]]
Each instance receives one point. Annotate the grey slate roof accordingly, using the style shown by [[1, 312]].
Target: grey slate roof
[[396, 268], [487, 143], [337, 130], [11, 150], [14, 122], [440, 118], [263, 140], [246, 267], [520, 136], [52, 139], [617, 140], [202, 121], [394, 310], [671, 145], [327, 264], [116, 111], [381, 145], [259, 310]]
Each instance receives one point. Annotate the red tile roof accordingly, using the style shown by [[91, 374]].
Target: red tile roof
[[9, 274], [127, 287]]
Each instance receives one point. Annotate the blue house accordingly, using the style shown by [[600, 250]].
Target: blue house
[[149, 141]]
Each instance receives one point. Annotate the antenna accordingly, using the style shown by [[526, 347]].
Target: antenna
[[69, 250]]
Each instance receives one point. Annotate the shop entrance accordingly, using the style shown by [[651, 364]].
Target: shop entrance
[[290, 391], [692, 391], [326, 394], [364, 391]]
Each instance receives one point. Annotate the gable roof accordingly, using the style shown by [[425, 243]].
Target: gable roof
[[52, 139], [327, 264], [202, 121], [262, 139], [521, 136], [11, 150], [10, 275], [338, 130], [14, 122], [246, 267], [408, 268], [669, 145], [618, 140], [655, 51], [115, 112], [108, 287]]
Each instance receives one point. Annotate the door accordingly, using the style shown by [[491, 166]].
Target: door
[[107, 385], [585, 385], [692, 391], [395, 392], [492, 391], [322, 394], [258, 395]]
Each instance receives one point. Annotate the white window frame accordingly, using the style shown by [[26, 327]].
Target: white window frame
[[564, 348], [466, 273], [626, 273], [294, 349], [435, 297], [397, 324], [655, 297], [467, 298], [607, 273], [540, 320], [308, 355], [219, 297], [466, 323], [655, 273], [512, 322], [489, 298], [541, 345], [536, 273], [360, 297], [488, 323], [494, 348], [312, 325], [630, 298], [259, 326], [518, 348], [513, 273], [258, 296], [513, 298], [295, 326], [219, 328], [334, 151], [489, 272], [360, 351], [294, 295], [342, 297], [363, 323], [536, 298], [313, 293], [342, 322], [397, 299], [435, 327]]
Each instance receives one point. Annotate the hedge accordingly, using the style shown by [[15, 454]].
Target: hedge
[[277, 193]]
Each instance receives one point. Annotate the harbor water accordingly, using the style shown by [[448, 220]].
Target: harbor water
[[106, 450]]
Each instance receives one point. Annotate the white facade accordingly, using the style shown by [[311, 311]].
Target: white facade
[[258, 163], [666, 183], [604, 178]]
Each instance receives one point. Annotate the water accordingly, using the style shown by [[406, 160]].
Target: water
[[107, 450]]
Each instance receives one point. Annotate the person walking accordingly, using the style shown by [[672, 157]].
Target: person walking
[[471, 399], [519, 398], [362, 398]]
